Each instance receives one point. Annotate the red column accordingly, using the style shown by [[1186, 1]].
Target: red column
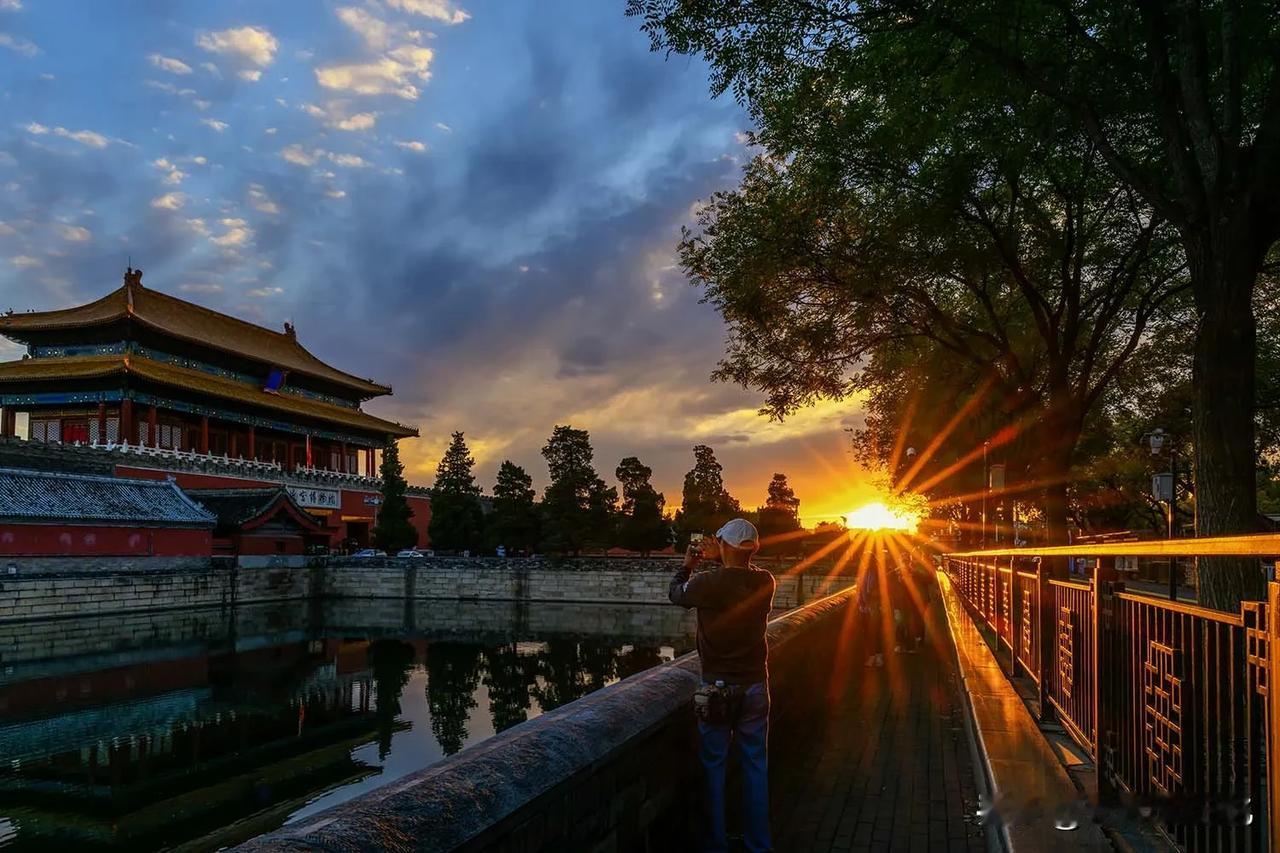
[[342, 460], [251, 448], [8, 422], [231, 444], [368, 465], [204, 433], [102, 423], [128, 432], [291, 449], [310, 464], [153, 433]]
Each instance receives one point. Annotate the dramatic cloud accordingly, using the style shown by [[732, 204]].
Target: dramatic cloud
[[219, 126], [172, 174], [236, 233], [252, 45], [412, 145], [259, 200], [169, 201], [10, 5], [440, 10], [84, 137], [173, 66], [25, 261], [394, 73], [74, 233]]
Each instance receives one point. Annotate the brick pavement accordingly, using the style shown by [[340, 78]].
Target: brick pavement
[[887, 768]]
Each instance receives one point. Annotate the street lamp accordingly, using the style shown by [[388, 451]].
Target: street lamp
[[1157, 440], [986, 487]]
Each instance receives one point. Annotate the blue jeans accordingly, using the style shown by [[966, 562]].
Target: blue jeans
[[751, 731]]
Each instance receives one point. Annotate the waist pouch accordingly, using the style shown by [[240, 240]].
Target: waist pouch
[[719, 706]]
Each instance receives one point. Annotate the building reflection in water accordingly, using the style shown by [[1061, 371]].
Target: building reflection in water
[[220, 734]]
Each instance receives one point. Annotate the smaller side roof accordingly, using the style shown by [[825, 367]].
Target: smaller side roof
[[244, 509], [36, 497]]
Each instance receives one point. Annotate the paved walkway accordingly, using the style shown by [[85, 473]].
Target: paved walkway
[[888, 768]]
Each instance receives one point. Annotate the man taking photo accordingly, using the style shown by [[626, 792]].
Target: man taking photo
[[733, 600]]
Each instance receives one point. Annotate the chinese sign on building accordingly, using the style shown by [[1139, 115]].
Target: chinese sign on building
[[318, 498]]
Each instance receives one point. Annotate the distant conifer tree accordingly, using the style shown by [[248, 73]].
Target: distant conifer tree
[[393, 530], [456, 515]]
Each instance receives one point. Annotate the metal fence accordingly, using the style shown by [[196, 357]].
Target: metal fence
[[1169, 698]]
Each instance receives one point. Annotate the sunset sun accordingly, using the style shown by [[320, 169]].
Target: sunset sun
[[879, 516]]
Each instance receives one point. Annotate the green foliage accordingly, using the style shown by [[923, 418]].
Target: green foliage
[[453, 673], [456, 515], [705, 504], [514, 520], [641, 524], [577, 508], [393, 530], [779, 517]]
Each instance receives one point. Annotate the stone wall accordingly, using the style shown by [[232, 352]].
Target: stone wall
[[42, 588], [615, 770], [587, 579]]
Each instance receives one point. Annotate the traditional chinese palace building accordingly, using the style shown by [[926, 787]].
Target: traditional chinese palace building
[[173, 389]]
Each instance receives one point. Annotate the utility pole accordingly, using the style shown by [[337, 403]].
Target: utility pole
[[986, 487]]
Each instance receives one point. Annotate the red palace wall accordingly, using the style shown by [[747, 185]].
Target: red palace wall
[[353, 505], [73, 540]]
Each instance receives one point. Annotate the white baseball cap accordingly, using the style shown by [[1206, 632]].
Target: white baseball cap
[[739, 533]]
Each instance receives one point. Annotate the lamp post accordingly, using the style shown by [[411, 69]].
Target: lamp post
[[1157, 440]]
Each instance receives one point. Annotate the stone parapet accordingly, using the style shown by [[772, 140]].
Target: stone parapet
[[615, 770]]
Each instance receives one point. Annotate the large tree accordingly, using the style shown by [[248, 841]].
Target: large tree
[[1180, 102], [705, 503], [641, 524], [456, 515], [393, 531], [577, 506], [514, 520]]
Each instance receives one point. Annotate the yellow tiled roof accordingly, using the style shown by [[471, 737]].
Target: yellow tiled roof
[[193, 323], [89, 366]]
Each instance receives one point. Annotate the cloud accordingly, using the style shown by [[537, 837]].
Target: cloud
[[359, 121], [442, 126], [297, 155], [166, 63], [6, 229], [411, 145], [252, 75], [84, 137], [253, 45], [10, 5], [19, 45], [351, 161], [196, 287], [237, 233], [169, 201], [215, 124], [265, 292], [376, 32], [173, 175], [334, 192], [439, 10], [393, 73], [74, 233], [259, 200], [24, 262]]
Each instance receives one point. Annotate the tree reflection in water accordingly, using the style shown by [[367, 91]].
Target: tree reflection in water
[[569, 670], [637, 659], [453, 673], [389, 662], [508, 676]]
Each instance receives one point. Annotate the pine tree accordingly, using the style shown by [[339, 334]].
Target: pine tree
[[514, 521], [577, 507], [705, 505], [642, 526], [393, 531], [456, 515], [780, 516]]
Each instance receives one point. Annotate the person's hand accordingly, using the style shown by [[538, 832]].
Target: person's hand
[[710, 548], [692, 555]]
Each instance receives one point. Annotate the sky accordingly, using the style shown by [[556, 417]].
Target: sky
[[477, 203]]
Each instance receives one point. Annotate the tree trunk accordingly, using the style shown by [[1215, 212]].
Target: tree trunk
[[1222, 415]]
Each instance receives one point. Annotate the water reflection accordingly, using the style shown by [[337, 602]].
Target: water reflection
[[207, 729]]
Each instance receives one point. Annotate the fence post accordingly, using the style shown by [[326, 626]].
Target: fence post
[[1104, 702], [1048, 635], [1272, 716]]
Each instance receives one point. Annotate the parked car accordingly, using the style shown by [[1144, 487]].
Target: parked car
[[412, 553], [369, 552]]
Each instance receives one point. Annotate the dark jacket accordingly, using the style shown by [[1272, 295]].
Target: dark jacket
[[733, 615]]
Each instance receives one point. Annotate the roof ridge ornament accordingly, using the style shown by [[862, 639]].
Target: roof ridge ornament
[[289, 331]]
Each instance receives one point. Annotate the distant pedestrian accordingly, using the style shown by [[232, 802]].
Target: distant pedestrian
[[870, 602], [733, 600]]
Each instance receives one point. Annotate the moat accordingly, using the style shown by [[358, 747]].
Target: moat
[[200, 729]]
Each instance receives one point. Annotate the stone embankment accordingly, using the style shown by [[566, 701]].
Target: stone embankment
[[48, 588]]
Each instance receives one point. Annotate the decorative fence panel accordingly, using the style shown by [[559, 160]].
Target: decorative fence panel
[[1171, 699]]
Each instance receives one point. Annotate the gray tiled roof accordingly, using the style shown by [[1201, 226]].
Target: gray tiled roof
[[36, 496]]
